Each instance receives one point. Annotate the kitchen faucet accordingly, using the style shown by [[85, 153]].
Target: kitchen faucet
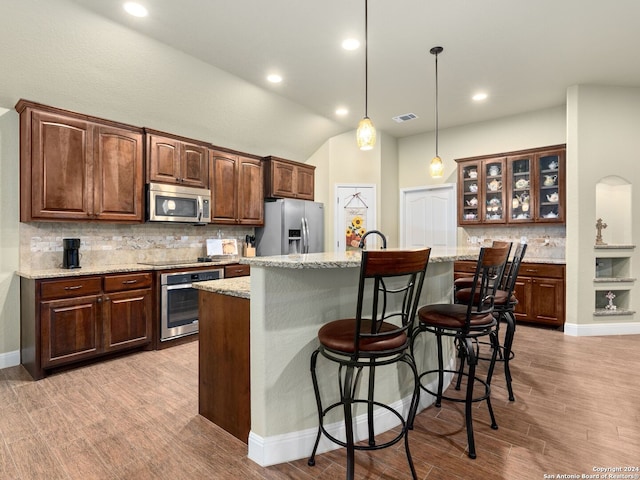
[[377, 232]]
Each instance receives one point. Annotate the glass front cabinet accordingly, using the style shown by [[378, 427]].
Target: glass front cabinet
[[512, 188]]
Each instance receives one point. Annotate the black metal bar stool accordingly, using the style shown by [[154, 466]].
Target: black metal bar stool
[[466, 323], [388, 295], [504, 305]]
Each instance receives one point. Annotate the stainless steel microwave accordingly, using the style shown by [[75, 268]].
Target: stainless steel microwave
[[176, 203]]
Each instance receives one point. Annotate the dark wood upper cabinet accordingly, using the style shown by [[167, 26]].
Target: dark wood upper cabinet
[[176, 160], [527, 187], [287, 179], [76, 167], [236, 188]]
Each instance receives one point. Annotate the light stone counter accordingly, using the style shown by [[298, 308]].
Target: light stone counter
[[38, 274], [235, 287], [348, 259]]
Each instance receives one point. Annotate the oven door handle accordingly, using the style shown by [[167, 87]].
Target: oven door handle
[[180, 286]]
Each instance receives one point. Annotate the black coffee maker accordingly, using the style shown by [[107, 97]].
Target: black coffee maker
[[71, 254]]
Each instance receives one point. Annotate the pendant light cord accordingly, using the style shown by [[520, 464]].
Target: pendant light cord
[[366, 57], [436, 104]]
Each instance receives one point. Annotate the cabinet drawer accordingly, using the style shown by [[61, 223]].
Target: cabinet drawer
[[541, 270], [73, 287], [231, 271], [465, 266], [116, 283]]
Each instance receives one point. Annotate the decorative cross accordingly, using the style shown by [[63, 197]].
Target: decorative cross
[[610, 295], [599, 226]]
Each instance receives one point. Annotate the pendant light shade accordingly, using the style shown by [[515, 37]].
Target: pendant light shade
[[366, 133], [436, 169]]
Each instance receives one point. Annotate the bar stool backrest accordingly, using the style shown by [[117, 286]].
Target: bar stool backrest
[[513, 268], [395, 279], [488, 275]]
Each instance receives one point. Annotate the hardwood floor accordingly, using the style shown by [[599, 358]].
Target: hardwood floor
[[577, 407]]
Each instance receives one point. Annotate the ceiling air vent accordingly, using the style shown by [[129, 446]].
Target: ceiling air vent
[[405, 118]]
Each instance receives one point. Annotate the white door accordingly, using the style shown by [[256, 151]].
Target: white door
[[428, 216], [355, 214]]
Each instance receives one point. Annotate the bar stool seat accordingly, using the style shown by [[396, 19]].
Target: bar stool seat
[[389, 292], [338, 336]]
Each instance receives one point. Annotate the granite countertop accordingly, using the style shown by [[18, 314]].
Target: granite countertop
[[235, 287], [37, 274], [351, 259]]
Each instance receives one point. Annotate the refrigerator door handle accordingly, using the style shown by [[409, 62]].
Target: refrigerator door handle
[[305, 235]]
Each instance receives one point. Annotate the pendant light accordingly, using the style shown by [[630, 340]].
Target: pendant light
[[436, 168], [366, 133]]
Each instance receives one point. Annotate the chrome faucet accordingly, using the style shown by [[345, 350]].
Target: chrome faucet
[[377, 232]]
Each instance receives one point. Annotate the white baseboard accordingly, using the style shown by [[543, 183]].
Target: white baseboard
[[298, 445], [9, 359], [601, 329]]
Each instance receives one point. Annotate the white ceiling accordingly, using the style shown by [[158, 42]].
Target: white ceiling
[[523, 53]]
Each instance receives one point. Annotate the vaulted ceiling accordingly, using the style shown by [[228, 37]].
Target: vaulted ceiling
[[523, 54]]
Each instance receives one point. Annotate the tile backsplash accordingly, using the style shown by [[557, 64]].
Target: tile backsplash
[[115, 244], [543, 242]]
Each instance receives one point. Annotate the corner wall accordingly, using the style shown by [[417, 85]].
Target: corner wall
[[603, 139]]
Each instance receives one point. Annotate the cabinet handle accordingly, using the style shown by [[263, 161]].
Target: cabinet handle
[[531, 270], [73, 287], [129, 282]]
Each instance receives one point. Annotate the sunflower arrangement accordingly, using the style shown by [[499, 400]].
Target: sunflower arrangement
[[355, 231]]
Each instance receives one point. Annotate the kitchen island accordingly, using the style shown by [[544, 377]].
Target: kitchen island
[[292, 296]]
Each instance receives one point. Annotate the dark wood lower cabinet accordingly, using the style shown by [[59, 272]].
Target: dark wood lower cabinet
[[540, 290], [224, 394], [65, 321]]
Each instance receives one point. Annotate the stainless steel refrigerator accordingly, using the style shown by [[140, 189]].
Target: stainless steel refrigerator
[[291, 226]]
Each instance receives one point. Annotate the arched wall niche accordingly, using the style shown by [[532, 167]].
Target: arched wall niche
[[613, 206]]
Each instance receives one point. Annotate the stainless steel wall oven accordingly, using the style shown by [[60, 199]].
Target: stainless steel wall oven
[[179, 301]]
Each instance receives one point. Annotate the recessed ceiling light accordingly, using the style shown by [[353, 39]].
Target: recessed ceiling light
[[274, 78], [350, 44], [136, 9], [341, 111], [478, 97]]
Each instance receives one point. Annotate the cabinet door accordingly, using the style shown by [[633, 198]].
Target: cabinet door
[[522, 291], [163, 159], [127, 319], [70, 330], [547, 301], [250, 192], [60, 183], [117, 175], [494, 191], [520, 203], [304, 183], [550, 187], [469, 196], [194, 166], [224, 187], [283, 181]]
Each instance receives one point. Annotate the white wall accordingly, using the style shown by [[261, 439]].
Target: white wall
[[9, 239], [604, 139]]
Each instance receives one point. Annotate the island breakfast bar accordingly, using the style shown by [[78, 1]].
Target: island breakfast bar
[[291, 297]]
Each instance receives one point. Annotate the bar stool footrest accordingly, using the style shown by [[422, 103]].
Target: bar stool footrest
[[481, 398], [356, 446]]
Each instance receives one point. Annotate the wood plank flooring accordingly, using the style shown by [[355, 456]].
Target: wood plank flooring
[[577, 407]]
